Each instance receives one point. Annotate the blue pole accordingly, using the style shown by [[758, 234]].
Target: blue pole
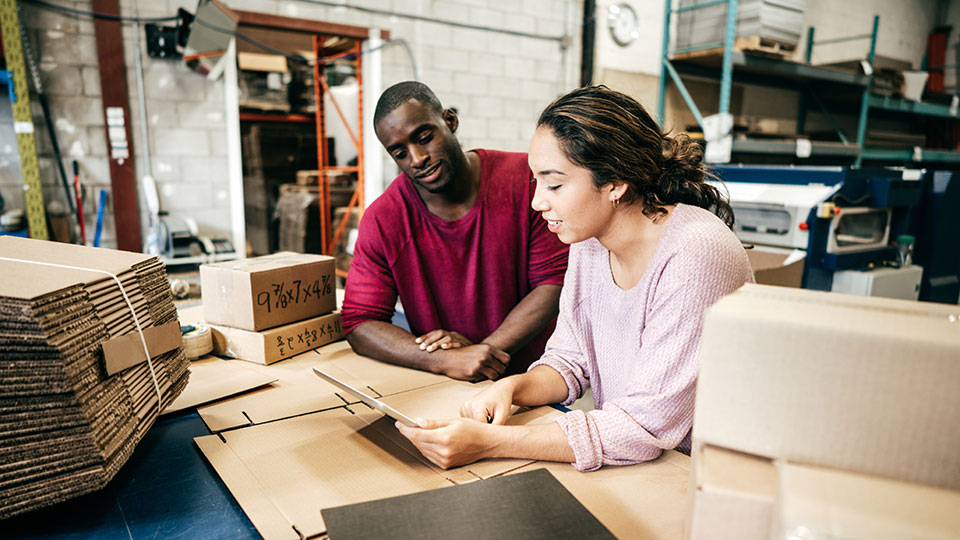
[[683, 92], [809, 53], [865, 100], [664, 53], [100, 207], [726, 80]]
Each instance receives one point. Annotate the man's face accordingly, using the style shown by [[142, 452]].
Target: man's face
[[421, 142]]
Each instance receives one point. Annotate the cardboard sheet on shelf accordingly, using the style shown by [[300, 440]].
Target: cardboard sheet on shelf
[[213, 378], [298, 391], [283, 473]]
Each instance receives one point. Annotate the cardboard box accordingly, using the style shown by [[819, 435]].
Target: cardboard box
[[826, 503], [275, 344], [264, 292], [862, 384], [732, 496], [772, 268]]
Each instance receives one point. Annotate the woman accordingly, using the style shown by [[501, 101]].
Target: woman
[[651, 249]]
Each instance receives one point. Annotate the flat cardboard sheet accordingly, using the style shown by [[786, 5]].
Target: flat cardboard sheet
[[213, 378], [283, 473], [531, 505], [646, 501], [298, 391], [862, 384]]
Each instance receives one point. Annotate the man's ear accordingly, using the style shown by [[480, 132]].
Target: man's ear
[[450, 118]]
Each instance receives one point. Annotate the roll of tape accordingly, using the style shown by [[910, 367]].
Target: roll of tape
[[197, 342]]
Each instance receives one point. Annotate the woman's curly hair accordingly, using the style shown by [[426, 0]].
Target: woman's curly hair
[[612, 135]]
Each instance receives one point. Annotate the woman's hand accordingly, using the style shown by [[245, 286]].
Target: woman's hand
[[451, 443], [493, 405], [442, 339]]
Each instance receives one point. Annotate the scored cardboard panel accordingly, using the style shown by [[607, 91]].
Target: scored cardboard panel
[[213, 378], [287, 471], [339, 360], [442, 402], [646, 501], [861, 384], [298, 391]]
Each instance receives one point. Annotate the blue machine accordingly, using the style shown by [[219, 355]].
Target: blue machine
[[937, 227], [845, 220]]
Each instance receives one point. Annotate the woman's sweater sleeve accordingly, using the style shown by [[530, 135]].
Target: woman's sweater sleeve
[[657, 414]]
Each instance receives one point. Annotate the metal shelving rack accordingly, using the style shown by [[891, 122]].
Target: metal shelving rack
[[772, 72]]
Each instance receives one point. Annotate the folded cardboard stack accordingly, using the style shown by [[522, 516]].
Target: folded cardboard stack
[[780, 21], [265, 309], [76, 394], [826, 415]]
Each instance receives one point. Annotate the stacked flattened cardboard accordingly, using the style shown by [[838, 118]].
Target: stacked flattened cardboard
[[269, 308], [70, 412], [826, 415], [779, 21]]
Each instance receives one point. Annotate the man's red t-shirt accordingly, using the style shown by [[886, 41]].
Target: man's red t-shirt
[[464, 275]]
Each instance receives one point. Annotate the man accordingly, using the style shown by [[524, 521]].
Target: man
[[454, 236]]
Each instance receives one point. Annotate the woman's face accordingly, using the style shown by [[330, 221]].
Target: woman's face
[[574, 208]]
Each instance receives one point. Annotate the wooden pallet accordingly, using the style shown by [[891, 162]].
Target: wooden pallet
[[751, 44]]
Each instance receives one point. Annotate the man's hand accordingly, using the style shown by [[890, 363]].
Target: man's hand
[[493, 405], [442, 339], [450, 443], [474, 362]]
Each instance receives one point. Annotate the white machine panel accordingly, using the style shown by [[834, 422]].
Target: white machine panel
[[771, 214], [903, 283]]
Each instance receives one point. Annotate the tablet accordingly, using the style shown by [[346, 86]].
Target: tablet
[[373, 402]]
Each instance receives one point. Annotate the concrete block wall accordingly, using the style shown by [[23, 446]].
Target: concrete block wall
[[498, 81]]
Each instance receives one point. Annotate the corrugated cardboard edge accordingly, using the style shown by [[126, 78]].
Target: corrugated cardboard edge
[[269, 520], [125, 351]]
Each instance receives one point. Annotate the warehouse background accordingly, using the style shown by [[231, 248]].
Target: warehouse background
[[498, 81]]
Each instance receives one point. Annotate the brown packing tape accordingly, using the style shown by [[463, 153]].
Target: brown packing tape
[[125, 351]]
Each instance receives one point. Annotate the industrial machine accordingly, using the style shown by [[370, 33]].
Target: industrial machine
[[937, 228], [847, 221]]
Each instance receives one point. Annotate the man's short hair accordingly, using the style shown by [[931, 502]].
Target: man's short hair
[[400, 93]]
